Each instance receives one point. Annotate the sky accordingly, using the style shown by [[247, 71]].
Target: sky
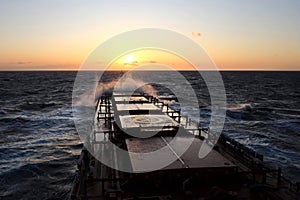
[[237, 35]]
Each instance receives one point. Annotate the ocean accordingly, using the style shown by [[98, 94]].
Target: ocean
[[39, 145]]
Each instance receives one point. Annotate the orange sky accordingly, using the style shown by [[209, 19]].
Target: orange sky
[[55, 35]]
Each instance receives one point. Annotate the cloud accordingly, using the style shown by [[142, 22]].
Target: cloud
[[152, 61], [23, 63], [196, 34], [133, 63]]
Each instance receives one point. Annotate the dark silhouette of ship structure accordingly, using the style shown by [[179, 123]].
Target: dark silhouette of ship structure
[[230, 171]]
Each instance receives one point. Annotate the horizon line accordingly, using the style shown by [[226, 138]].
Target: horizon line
[[237, 70]]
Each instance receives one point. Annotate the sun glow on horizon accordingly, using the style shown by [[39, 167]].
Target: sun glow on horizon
[[148, 57], [129, 59]]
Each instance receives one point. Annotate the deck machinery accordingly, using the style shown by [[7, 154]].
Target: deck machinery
[[143, 123]]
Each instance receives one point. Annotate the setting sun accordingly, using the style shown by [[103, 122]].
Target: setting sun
[[154, 57], [129, 59]]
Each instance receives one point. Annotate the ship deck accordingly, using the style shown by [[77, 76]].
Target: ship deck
[[143, 124], [189, 160]]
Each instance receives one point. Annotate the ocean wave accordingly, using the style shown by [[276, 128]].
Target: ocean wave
[[243, 106], [36, 106], [14, 119], [2, 112], [50, 180]]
